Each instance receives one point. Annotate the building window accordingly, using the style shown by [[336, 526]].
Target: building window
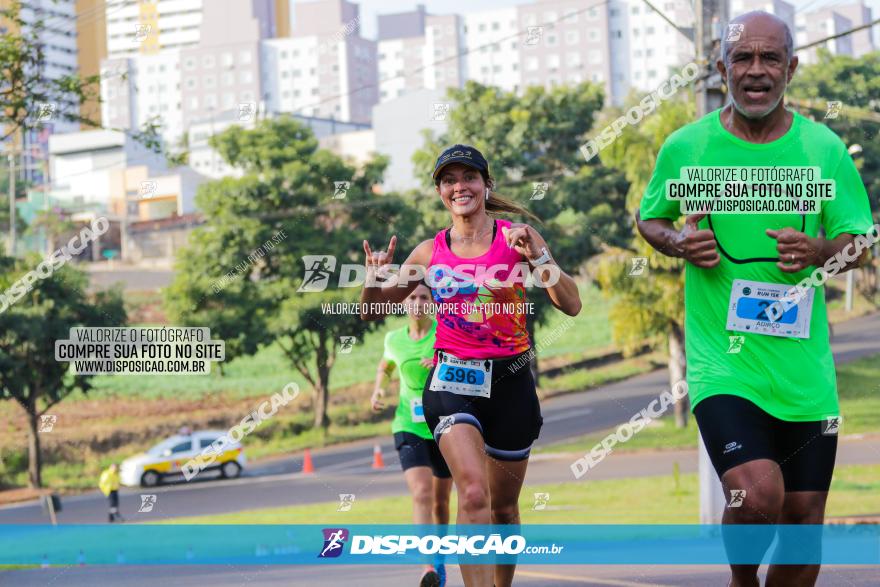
[[189, 63], [531, 64], [244, 57], [553, 62], [210, 82], [246, 77], [571, 37], [208, 61], [228, 78], [193, 102]]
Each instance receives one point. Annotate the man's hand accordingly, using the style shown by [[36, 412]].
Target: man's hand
[[427, 362], [376, 401], [695, 245], [797, 251]]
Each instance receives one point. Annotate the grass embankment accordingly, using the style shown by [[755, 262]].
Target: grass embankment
[[643, 500]]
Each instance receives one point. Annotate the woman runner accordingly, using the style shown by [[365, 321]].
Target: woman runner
[[410, 349], [479, 400]]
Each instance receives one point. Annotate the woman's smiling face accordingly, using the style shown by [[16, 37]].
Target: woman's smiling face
[[462, 189]]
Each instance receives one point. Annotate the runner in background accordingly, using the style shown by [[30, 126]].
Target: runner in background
[[768, 413], [409, 350], [480, 399]]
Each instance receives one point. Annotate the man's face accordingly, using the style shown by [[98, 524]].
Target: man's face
[[757, 69]]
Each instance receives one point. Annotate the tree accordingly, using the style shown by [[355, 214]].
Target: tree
[[54, 224], [534, 139], [29, 373], [647, 305], [856, 84], [286, 197]]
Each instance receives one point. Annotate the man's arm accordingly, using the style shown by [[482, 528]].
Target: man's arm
[[690, 243], [797, 251]]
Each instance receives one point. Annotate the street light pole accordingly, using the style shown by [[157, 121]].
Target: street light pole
[[12, 235]]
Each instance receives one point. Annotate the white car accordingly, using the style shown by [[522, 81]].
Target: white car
[[166, 459]]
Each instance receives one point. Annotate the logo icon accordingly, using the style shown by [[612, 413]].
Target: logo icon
[[334, 541], [346, 343], [148, 189], [534, 34], [340, 188], [736, 498], [439, 110], [831, 426], [47, 422], [541, 500], [141, 31], [834, 107], [735, 344], [246, 111], [346, 500], [45, 111], [147, 503], [319, 268], [732, 446], [734, 32], [539, 190], [444, 425], [639, 264]]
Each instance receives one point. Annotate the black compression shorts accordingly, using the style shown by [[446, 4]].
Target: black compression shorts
[[509, 419], [416, 451], [736, 431]]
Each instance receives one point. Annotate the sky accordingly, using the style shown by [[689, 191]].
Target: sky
[[370, 9]]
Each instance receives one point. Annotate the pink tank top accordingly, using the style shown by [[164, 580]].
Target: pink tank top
[[481, 312]]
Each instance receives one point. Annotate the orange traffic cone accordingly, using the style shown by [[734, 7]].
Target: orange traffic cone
[[378, 463], [308, 467]]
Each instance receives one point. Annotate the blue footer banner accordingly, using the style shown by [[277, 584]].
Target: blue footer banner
[[161, 544]]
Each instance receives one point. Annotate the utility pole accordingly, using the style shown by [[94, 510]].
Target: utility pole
[[11, 159], [711, 20]]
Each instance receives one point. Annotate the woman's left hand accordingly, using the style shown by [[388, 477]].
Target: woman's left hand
[[525, 240]]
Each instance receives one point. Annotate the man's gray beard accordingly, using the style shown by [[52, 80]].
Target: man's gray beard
[[750, 115]]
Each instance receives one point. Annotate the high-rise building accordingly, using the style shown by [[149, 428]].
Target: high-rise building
[[819, 24], [57, 37], [419, 51], [325, 68], [492, 42], [858, 14]]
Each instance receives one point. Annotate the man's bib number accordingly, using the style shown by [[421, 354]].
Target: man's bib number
[[462, 376], [749, 301]]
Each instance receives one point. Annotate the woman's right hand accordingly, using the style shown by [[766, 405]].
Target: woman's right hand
[[375, 401], [378, 259]]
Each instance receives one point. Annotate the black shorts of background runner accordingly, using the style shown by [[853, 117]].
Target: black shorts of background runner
[[509, 419], [415, 451], [736, 431]]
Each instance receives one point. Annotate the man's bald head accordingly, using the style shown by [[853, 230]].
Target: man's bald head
[[764, 21]]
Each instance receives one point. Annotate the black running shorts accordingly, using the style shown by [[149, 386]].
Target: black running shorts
[[416, 451], [736, 431], [509, 419]]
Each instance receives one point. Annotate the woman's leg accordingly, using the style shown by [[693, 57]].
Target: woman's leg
[[505, 483], [463, 448], [420, 481]]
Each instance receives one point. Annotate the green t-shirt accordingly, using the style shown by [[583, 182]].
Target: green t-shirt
[[407, 353], [790, 378]]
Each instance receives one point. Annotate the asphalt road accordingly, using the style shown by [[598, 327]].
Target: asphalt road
[[346, 469]]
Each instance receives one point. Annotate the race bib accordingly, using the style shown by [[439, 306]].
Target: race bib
[[462, 376], [416, 410], [748, 310]]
